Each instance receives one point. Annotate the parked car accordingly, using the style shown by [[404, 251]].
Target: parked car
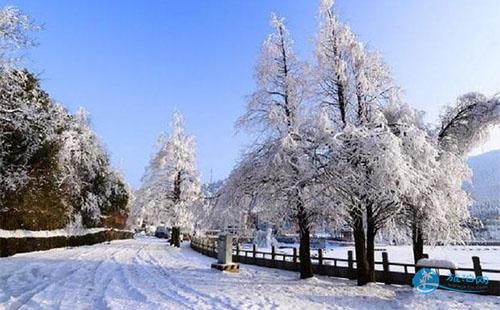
[[162, 232]]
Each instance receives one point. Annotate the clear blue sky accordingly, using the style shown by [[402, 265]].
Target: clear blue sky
[[132, 63]]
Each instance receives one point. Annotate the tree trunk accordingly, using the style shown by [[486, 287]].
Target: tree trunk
[[370, 244], [177, 187], [418, 241], [360, 248], [175, 238], [305, 245], [342, 103]]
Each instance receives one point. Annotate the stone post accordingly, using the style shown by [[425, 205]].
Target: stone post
[[225, 254], [225, 249]]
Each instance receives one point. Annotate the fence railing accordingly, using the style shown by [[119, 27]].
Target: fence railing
[[385, 271]]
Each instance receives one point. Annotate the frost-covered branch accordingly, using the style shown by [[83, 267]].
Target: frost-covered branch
[[465, 125]]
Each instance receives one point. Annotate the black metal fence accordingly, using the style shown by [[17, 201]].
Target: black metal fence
[[386, 272]]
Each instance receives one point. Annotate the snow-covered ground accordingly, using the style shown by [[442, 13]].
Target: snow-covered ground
[[460, 255], [147, 274]]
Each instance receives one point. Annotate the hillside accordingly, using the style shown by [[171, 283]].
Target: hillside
[[485, 187], [486, 176]]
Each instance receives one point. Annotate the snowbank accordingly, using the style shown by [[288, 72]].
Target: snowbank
[[436, 263], [21, 233]]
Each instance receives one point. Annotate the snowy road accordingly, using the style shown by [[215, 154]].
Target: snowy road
[[147, 274]]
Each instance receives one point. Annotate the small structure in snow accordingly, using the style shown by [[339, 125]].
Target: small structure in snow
[[225, 254], [436, 263], [265, 239]]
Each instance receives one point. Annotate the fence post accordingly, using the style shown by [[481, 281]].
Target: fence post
[[272, 253], [477, 266], [350, 263], [254, 249], [295, 255], [385, 263], [320, 256]]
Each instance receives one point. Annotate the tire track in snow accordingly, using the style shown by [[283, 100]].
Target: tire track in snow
[[56, 277], [16, 302], [185, 289], [150, 276], [103, 275], [127, 283]]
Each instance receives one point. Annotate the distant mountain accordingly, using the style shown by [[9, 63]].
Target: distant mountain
[[486, 176], [485, 187]]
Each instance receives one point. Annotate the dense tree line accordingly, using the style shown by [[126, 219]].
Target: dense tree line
[[54, 172]]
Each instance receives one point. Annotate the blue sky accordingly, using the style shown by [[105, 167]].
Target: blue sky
[[132, 63]]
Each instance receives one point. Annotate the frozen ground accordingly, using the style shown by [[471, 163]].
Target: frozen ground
[[147, 274]]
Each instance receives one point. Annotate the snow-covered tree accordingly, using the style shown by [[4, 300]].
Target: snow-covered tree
[[275, 177], [15, 34], [51, 161], [333, 45], [365, 164], [93, 188], [209, 214], [436, 207], [280, 177], [170, 190], [349, 79], [367, 172], [442, 212], [465, 125], [366, 154], [52, 166], [29, 125]]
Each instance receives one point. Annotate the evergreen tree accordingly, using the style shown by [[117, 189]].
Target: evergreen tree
[[171, 189]]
